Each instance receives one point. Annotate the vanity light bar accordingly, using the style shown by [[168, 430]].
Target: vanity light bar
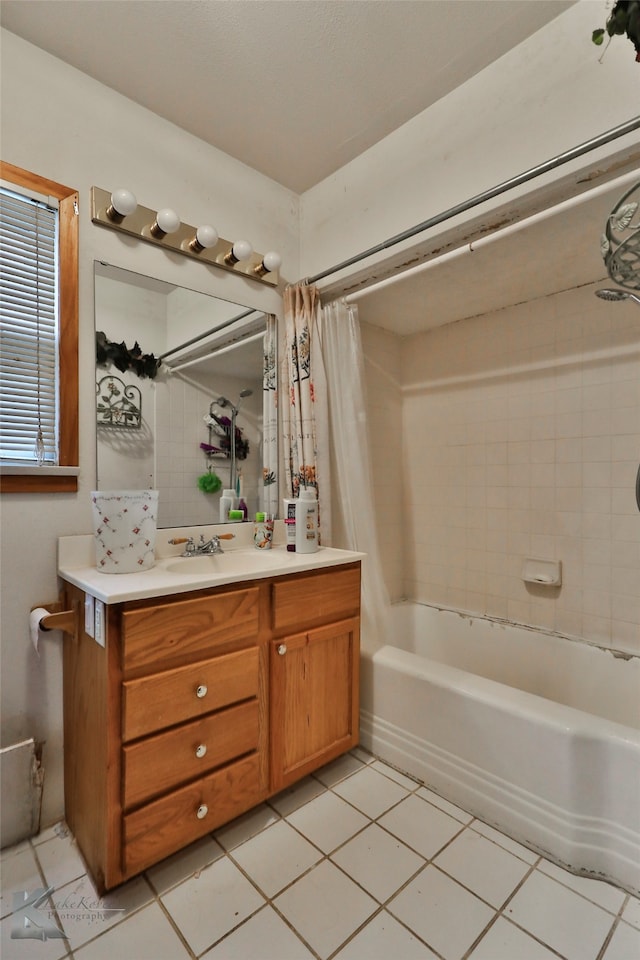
[[164, 229]]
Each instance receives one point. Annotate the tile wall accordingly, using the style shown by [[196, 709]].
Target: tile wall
[[521, 437]]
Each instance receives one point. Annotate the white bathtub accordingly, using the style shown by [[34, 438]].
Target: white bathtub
[[533, 733]]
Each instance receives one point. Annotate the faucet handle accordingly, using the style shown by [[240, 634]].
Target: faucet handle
[[176, 540]]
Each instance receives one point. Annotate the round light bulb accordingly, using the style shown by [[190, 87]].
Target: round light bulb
[[271, 261], [242, 250], [207, 236], [168, 220], [121, 205], [123, 202]]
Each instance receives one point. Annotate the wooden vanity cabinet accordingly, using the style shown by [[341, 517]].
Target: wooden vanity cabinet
[[191, 713]]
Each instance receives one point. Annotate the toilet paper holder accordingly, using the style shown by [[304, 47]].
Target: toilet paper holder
[[57, 618]]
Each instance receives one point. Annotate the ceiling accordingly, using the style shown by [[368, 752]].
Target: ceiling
[[293, 89]]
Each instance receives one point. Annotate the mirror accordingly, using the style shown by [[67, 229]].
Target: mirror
[[167, 425]]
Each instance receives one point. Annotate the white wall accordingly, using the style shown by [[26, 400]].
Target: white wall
[[62, 125]]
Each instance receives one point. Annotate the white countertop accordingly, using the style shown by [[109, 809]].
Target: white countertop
[[174, 574]]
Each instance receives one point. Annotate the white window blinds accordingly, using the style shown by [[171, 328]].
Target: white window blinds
[[28, 328]]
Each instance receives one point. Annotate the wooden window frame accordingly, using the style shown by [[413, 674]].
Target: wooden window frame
[[36, 479]]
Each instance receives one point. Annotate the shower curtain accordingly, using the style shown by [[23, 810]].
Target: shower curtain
[[354, 514], [304, 407], [269, 500]]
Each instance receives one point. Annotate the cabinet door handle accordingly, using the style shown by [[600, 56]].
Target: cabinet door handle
[[201, 750], [282, 649], [202, 811], [201, 691]]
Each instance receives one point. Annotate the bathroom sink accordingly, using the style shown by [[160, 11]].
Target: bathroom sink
[[232, 563]]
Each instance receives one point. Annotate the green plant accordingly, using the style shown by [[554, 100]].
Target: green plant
[[623, 19]]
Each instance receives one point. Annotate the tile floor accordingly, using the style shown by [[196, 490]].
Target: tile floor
[[357, 862]]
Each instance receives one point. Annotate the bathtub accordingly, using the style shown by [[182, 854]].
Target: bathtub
[[536, 734]]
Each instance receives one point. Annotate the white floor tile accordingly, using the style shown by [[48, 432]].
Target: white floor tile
[[378, 862], [504, 941], [245, 827], [370, 792], [211, 904], [400, 778], [560, 918], [264, 935], [384, 938], [454, 811], [147, 935], [517, 849], [420, 825], [14, 948], [325, 907], [327, 821], [276, 857], [84, 915], [624, 945], [363, 755], [485, 868], [60, 861], [183, 864], [19, 874], [338, 769], [443, 914], [604, 894], [631, 912], [59, 829], [297, 795]]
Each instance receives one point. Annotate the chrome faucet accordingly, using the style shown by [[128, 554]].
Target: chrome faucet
[[211, 546], [203, 548]]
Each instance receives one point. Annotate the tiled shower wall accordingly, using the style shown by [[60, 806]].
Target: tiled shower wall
[[520, 438]]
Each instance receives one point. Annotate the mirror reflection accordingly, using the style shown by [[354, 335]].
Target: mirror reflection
[[185, 398]]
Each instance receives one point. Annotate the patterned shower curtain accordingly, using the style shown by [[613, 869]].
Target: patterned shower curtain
[[304, 408], [269, 499]]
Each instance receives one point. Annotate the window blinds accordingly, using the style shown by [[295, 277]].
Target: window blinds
[[28, 327]]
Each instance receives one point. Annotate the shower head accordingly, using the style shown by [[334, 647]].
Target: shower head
[[616, 295], [246, 393]]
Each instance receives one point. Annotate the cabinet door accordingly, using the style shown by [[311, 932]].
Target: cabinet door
[[314, 699]]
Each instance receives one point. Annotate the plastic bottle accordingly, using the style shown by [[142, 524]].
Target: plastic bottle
[[227, 501], [290, 524], [262, 532], [307, 521], [242, 506]]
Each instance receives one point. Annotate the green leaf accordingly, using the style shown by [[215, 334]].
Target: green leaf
[[598, 37]]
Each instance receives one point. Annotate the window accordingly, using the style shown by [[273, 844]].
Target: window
[[39, 313]]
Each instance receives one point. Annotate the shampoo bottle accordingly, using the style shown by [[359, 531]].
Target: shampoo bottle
[[307, 521]]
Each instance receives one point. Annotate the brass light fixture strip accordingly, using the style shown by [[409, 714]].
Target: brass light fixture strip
[[138, 225]]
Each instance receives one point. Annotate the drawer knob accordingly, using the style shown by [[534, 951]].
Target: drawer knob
[[202, 811], [201, 691], [201, 750], [282, 649]]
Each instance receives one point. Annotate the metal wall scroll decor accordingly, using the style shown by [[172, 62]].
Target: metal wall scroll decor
[[620, 244], [118, 404]]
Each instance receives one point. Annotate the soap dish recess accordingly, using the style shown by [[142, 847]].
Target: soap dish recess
[[545, 573]]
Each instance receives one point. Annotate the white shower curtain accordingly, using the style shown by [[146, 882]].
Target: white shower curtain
[[353, 509]]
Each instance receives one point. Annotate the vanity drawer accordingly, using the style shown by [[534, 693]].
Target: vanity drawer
[[158, 763], [163, 635], [165, 825], [165, 699], [322, 597]]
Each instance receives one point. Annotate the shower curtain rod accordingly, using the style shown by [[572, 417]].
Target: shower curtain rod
[[207, 333], [620, 131]]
